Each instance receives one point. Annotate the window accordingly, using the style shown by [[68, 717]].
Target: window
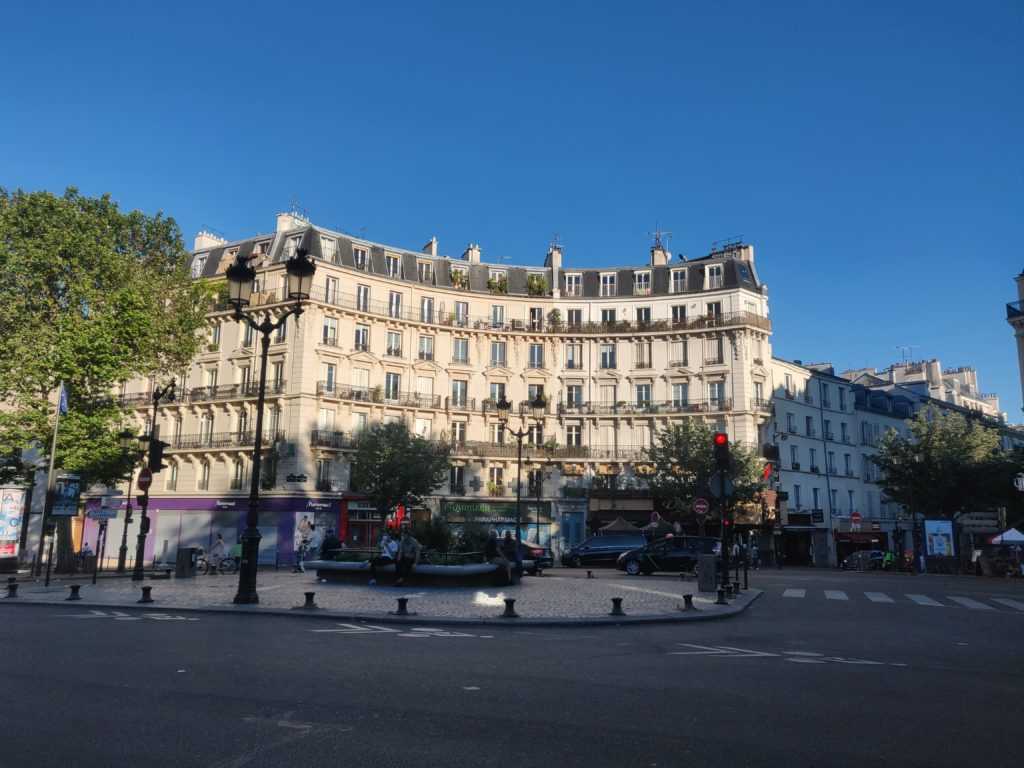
[[275, 423], [497, 391], [459, 432], [460, 277], [426, 347], [282, 331], [535, 482], [678, 280], [535, 434], [608, 396], [809, 426], [329, 248], [643, 315], [291, 245], [828, 429], [679, 314], [362, 338], [460, 389], [826, 400], [796, 496], [643, 395], [198, 264], [249, 336], [460, 350], [497, 434], [211, 378], [330, 331], [641, 283], [574, 435], [642, 354], [608, 284], [574, 395], [830, 462], [461, 314], [237, 475], [714, 353], [215, 336], [716, 394], [813, 455], [325, 419], [457, 480], [573, 285], [714, 276], [497, 316], [496, 479], [794, 457], [844, 433], [244, 378], [422, 428], [759, 393], [394, 304], [607, 356], [203, 482], [172, 477], [817, 494], [425, 271], [574, 318], [363, 298], [536, 318], [533, 391], [574, 356], [394, 345], [714, 309], [842, 399], [791, 423], [277, 375], [608, 316], [331, 290], [358, 422], [498, 353], [790, 391], [847, 465], [392, 386], [679, 353], [426, 310], [536, 356], [243, 422], [359, 257], [394, 266], [680, 395], [328, 374]]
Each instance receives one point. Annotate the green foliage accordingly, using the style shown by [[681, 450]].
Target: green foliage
[[497, 285], [683, 458], [393, 466], [948, 464], [433, 533], [537, 285], [92, 296]]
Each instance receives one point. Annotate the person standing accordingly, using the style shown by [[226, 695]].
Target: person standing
[[493, 554], [408, 554], [755, 555], [216, 552], [331, 543]]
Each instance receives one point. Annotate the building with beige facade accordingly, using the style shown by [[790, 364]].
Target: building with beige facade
[[392, 334]]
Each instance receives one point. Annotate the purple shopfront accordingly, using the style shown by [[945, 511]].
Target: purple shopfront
[[196, 521]]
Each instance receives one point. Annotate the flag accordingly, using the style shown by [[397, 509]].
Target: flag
[[62, 400]]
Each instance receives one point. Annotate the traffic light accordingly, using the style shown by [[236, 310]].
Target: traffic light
[[721, 443], [156, 455]]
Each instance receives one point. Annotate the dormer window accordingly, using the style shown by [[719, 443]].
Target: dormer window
[[641, 283], [263, 248], [291, 245], [678, 280], [460, 277], [425, 271], [198, 264], [574, 285], [394, 266], [329, 248], [608, 284], [714, 276], [359, 257]]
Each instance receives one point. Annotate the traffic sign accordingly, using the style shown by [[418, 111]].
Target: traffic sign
[[145, 479], [701, 506], [715, 486], [855, 517]]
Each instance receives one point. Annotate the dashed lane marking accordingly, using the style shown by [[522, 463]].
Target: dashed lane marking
[[1015, 604], [795, 593], [967, 602], [836, 594], [878, 597], [925, 600]]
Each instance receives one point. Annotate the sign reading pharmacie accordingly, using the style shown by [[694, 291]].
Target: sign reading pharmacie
[[489, 512]]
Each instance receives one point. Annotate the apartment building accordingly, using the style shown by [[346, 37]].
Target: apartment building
[[435, 341]]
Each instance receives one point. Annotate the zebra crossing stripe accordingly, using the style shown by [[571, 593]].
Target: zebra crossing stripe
[[835, 594], [1017, 604], [925, 600], [967, 602], [878, 597], [795, 593]]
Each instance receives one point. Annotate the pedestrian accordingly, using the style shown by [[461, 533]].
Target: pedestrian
[[408, 554], [385, 556], [217, 552], [755, 555], [493, 554], [330, 544], [302, 550]]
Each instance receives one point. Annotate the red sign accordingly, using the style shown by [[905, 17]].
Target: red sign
[[855, 518], [701, 506], [145, 479]]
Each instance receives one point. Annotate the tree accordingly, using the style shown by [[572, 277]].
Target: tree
[[683, 459], [393, 466], [92, 296], [946, 466]]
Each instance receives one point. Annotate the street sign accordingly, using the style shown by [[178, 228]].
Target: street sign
[[701, 506], [855, 517], [1018, 482], [715, 486], [107, 510], [980, 522], [145, 479]]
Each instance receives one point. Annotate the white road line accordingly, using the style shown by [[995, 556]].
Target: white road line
[[1009, 603], [835, 594], [878, 597], [925, 600], [967, 602], [795, 593]]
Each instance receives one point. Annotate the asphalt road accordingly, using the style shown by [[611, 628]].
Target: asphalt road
[[815, 680]]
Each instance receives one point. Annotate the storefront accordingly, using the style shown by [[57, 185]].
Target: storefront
[[848, 542], [535, 521]]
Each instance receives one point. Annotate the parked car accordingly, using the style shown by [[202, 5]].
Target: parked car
[[864, 560], [672, 553], [535, 557], [602, 550]]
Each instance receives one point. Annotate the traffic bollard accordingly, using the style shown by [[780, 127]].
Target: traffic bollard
[[617, 607], [688, 603], [403, 608], [74, 592], [746, 579], [12, 587], [728, 592], [310, 602], [736, 588], [510, 609], [721, 598], [146, 595], [590, 574]]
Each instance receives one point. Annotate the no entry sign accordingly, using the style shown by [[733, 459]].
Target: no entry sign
[[701, 506]]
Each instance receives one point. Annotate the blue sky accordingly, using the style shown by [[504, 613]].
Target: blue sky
[[871, 154]]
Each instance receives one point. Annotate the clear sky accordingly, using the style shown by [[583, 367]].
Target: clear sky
[[871, 151]]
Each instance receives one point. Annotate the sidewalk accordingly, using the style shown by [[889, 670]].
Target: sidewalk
[[562, 598]]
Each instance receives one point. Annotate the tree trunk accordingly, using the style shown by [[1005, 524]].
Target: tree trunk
[[64, 549]]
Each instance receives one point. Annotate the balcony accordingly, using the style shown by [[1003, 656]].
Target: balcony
[[457, 490], [480, 449], [393, 352], [642, 364], [760, 404], [829, 436], [495, 489], [360, 347], [323, 438], [329, 340], [535, 365], [795, 466], [462, 404], [646, 407], [460, 361], [815, 470], [215, 440], [573, 365], [716, 360], [427, 356], [641, 290]]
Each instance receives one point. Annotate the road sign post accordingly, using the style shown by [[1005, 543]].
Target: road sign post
[[855, 519], [145, 479]]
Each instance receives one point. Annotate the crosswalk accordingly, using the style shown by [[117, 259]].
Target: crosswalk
[[1004, 604]]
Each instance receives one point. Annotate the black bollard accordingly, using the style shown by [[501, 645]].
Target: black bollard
[[310, 603], [590, 574], [146, 596], [728, 592], [12, 587], [721, 598], [403, 609], [510, 609], [736, 588], [617, 607], [688, 603], [74, 592], [746, 575]]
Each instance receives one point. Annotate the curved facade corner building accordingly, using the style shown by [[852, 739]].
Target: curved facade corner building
[[435, 341]]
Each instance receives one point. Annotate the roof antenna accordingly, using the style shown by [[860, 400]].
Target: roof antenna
[[907, 350], [556, 242], [660, 236]]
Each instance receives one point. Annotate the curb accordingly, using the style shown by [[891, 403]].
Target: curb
[[735, 609]]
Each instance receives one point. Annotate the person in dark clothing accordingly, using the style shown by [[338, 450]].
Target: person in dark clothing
[[493, 554], [331, 543]]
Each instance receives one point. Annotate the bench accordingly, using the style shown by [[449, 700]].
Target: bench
[[470, 574]]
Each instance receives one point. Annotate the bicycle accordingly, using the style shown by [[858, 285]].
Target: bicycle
[[227, 565]]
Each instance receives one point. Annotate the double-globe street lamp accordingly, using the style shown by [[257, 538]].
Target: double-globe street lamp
[[241, 278], [134, 448], [537, 407]]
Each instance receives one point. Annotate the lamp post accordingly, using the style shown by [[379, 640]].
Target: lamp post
[[149, 440], [131, 446], [241, 276], [537, 412]]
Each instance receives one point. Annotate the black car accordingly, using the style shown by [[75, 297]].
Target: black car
[[535, 557], [602, 550], [672, 553]]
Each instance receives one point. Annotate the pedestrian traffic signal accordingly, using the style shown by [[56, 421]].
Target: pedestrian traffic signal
[[721, 445], [156, 455]]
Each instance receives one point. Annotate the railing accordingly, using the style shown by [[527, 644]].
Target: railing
[[652, 406], [462, 404], [323, 438], [377, 395], [222, 440], [360, 347], [205, 394], [535, 365], [760, 404], [330, 341], [510, 451], [426, 356]]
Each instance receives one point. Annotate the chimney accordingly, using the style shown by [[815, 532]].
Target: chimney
[[472, 254], [659, 254], [431, 247], [553, 261], [290, 220], [205, 239], [1020, 286]]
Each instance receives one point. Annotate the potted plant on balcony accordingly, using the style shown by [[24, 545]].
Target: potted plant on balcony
[[537, 285], [498, 285], [555, 319], [494, 489], [460, 279], [377, 394]]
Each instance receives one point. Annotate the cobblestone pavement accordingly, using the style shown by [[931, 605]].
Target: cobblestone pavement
[[559, 594]]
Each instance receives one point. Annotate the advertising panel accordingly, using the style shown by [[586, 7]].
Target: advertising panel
[[12, 504], [65, 496], [939, 538]]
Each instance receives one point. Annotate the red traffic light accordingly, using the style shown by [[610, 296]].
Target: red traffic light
[[767, 471], [721, 438]]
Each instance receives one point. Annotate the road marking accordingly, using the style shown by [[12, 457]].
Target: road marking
[[925, 600], [357, 629], [804, 660], [967, 602], [1017, 604], [122, 616], [835, 594], [802, 653], [797, 657], [795, 593], [878, 597], [722, 650], [471, 688]]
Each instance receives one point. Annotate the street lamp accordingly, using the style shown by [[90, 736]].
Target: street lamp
[[241, 276], [537, 407], [132, 447]]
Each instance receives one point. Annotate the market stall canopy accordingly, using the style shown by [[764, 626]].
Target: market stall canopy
[[618, 525], [1012, 536]]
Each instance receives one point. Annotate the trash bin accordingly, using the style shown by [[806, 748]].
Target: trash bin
[[185, 565], [707, 573]]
